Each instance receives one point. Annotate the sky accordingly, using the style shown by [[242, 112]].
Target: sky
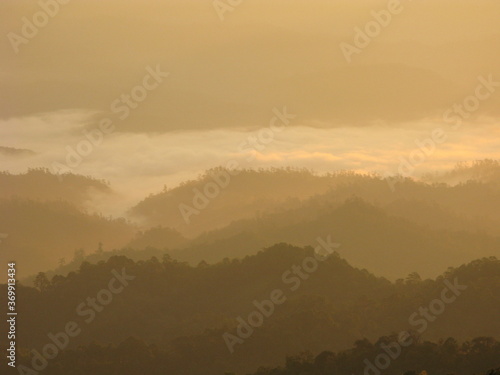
[[230, 70]]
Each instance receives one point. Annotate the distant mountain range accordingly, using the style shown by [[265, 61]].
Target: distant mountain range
[[184, 310], [391, 226]]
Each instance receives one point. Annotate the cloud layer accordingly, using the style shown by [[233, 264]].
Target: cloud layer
[[139, 164]]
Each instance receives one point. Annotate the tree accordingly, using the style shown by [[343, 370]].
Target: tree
[[41, 282]]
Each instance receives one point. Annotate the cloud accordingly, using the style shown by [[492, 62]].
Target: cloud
[[226, 75], [138, 164]]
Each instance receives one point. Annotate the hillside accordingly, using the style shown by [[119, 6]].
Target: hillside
[[380, 222], [42, 185], [41, 235], [479, 355], [247, 193], [384, 241], [467, 203], [329, 310], [486, 171], [370, 238]]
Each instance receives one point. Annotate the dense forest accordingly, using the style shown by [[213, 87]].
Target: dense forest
[[478, 356], [190, 311], [261, 187], [254, 291], [422, 226]]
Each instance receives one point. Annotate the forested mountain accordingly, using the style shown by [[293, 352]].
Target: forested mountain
[[265, 187], [42, 235], [133, 356], [466, 203], [185, 310], [369, 237], [246, 193], [380, 222], [188, 296], [389, 245], [41, 185], [423, 357], [486, 171]]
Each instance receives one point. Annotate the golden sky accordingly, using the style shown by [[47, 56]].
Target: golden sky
[[263, 54], [227, 75]]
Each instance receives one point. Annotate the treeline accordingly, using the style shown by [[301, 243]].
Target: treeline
[[419, 226], [188, 310], [369, 236], [464, 198], [477, 356], [133, 356], [41, 184], [42, 235]]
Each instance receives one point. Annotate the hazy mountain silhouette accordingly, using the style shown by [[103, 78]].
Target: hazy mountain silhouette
[[388, 245], [42, 235], [40, 184], [417, 226], [335, 306], [467, 204], [486, 171]]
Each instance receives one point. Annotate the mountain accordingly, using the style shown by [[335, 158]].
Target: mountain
[[447, 356], [463, 204], [158, 237], [244, 194], [189, 311], [42, 185], [369, 238], [41, 235], [393, 226], [485, 171]]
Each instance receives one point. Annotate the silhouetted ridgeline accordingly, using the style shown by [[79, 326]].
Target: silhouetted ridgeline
[[477, 356], [267, 187], [133, 356], [250, 191], [485, 171], [42, 235], [41, 185], [184, 311], [391, 226], [468, 202], [386, 244]]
